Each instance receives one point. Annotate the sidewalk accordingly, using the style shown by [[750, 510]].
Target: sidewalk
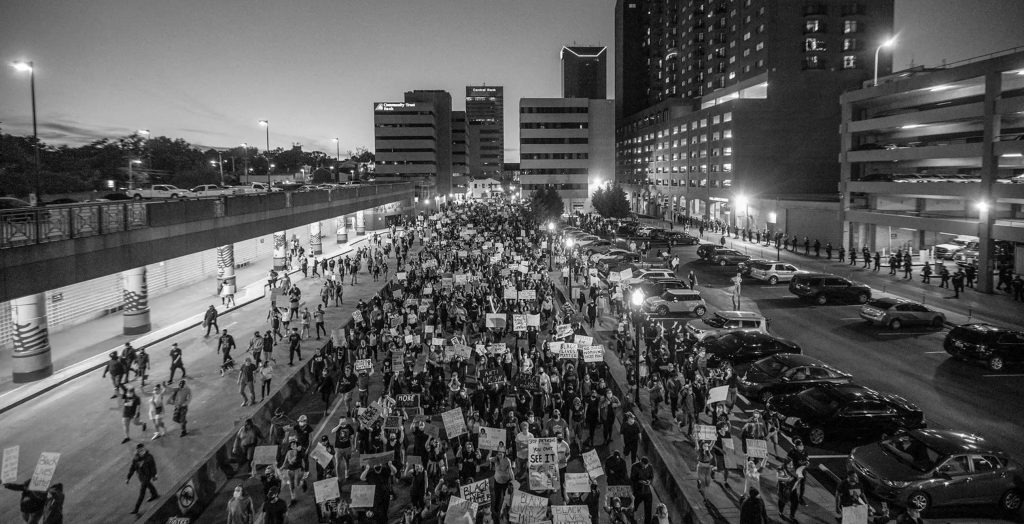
[[79, 420]]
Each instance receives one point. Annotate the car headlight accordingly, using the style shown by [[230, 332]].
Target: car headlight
[[897, 484]]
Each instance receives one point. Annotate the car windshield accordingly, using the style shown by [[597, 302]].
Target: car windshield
[[715, 322], [819, 401], [761, 265], [912, 452], [771, 367]]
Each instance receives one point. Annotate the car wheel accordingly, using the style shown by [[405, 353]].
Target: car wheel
[[137, 197], [816, 436], [700, 310], [821, 300], [722, 262], [995, 363], [1010, 501], [862, 298], [773, 280], [663, 311], [919, 500], [895, 324], [174, 196], [938, 322]]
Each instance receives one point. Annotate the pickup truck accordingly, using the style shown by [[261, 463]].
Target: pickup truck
[[210, 190], [157, 191], [255, 187]]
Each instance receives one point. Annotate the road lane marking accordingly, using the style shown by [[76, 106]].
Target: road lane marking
[[893, 333], [1005, 375], [852, 318], [827, 456], [933, 352]]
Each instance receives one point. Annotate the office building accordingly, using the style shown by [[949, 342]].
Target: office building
[[413, 139], [933, 162], [485, 113], [584, 72], [723, 99], [567, 143], [460, 143]]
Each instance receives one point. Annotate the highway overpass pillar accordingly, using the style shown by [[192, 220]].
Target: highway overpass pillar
[[30, 357], [360, 223], [341, 225], [226, 270], [280, 250], [136, 301], [315, 242]]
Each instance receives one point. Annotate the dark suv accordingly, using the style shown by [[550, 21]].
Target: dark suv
[[995, 346], [823, 288]]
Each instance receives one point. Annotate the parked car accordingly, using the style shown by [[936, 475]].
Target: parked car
[[681, 238], [208, 190], [785, 374], [676, 302], [823, 288], [896, 313], [657, 286], [157, 191], [707, 251], [745, 267], [774, 272], [598, 246], [995, 346], [644, 274], [744, 346], [926, 468], [948, 250], [13, 203], [844, 412], [723, 321], [728, 257]]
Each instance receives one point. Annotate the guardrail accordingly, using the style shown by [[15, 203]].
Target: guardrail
[[37, 225]]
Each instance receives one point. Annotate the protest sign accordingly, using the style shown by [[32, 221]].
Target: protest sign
[[706, 432], [370, 414], [372, 459], [757, 448], [496, 320], [577, 483], [544, 477], [527, 508], [44, 471], [326, 489], [428, 290], [533, 320], [491, 439], [410, 461], [357, 316], [363, 364], [569, 351], [454, 422], [542, 451], [321, 456], [518, 322], [436, 341], [428, 329], [499, 348], [462, 351], [9, 471], [528, 382], [407, 400], [461, 279], [625, 274], [857, 514], [584, 340], [460, 511], [528, 294], [400, 276], [510, 293], [265, 455], [563, 330], [479, 492], [619, 491], [493, 376], [362, 495], [593, 464], [593, 354], [575, 514], [392, 422], [718, 394]]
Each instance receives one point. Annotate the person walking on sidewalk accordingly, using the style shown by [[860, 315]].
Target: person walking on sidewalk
[[117, 372], [180, 399], [842, 254], [266, 375], [256, 347], [306, 320], [294, 341], [853, 257], [268, 347], [926, 274], [318, 318], [210, 320], [145, 466], [958, 282], [866, 255], [944, 277], [894, 264], [274, 317], [247, 381], [176, 362], [908, 270], [878, 261], [156, 411], [225, 344], [130, 412]]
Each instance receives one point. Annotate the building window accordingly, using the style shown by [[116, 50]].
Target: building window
[[727, 151], [727, 117], [759, 46], [814, 26], [716, 119], [850, 26], [849, 44], [814, 62], [727, 133], [727, 168], [814, 44], [849, 62], [746, 36]]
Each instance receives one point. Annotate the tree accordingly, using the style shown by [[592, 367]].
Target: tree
[[617, 203], [547, 204], [600, 201], [323, 176]]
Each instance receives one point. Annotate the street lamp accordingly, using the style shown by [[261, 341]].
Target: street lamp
[[888, 43], [568, 244], [551, 245], [266, 124], [337, 148], [220, 162], [30, 68], [145, 133], [131, 176], [637, 299], [741, 201], [245, 160]]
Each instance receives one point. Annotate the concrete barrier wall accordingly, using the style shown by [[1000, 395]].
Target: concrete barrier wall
[[175, 212], [254, 204]]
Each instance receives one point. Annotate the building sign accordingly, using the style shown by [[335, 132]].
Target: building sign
[[391, 106]]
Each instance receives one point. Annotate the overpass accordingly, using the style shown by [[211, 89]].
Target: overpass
[[46, 248]]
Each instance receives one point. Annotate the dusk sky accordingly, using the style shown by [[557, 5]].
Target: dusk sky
[[208, 70]]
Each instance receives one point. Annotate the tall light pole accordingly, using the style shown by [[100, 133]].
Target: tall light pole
[[637, 299], [569, 260], [551, 244], [337, 148], [245, 160], [887, 43], [266, 124], [220, 162], [30, 67], [131, 175]]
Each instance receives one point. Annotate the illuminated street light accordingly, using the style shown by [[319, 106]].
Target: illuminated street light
[[337, 147], [131, 175], [266, 124], [27, 66], [888, 43]]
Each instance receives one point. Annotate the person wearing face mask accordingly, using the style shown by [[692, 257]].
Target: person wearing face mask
[[295, 468], [275, 511], [504, 471], [799, 458], [344, 442], [302, 431], [609, 403], [240, 508], [641, 477], [562, 453], [380, 477], [617, 513], [144, 464]]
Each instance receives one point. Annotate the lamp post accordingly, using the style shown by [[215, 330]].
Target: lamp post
[[551, 245], [145, 133], [30, 67], [245, 160], [637, 299], [337, 149], [887, 43], [220, 162], [266, 124], [131, 176], [568, 244]]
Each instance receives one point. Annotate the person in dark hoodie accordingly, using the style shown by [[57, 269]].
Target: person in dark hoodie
[[53, 510], [32, 502], [753, 510]]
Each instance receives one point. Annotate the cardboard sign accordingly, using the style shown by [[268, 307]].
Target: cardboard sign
[[533, 320], [718, 394], [593, 354], [357, 316], [492, 439], [577, 483], [362, 495], [479, 492], [492, 376], [45, 468], [563, 330], [264, 456], [462, 351], [593, 464], [568, 351], [460, 511], [392, 422], [454, 422], [497, 349], [372, 459], [9, 471], [496, 320], [542, 451], [528, 382], [554, 347], [527, 508], [544, 477], [401, 276], [528, 294], [326, 489], [706, 432], [855, 514], [619, 491], [428, 290], [461, 279], [575, 514], [518, 322], [757, 448], [510, 293], [436, 341], [370, 414], [584, 340], [407, 400], [321, 456], [363, 364], [625, 274]]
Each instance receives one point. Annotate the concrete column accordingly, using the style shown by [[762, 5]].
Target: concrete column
[[280, 250], [315, 242], [136, 301], [30, 358], [360, 223], [341, 225], [992, 127], [226, 266]]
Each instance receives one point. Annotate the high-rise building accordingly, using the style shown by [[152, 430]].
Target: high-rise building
[[460, 144], [584, 72], [566, 143], [717, 99], [485, 106], [413, 139]]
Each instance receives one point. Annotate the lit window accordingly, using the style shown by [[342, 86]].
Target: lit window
[[727, 117], [759, 46], [849, 44], [849, 62], [814, 44], [727, 168], [746, 36], [716, 119], [850, 26], [812, 26], [727, 133]]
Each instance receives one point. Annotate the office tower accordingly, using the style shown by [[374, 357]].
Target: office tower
[[584, 72], [485, 106], [413, 139]]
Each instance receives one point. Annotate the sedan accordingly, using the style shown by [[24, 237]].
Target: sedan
[[726, 257], [786, 373], [928, 467], [844, 412], [896, 313], [655, 287], [742, 347]]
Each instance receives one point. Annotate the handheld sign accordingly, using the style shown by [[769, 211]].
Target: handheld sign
[[326, 489], [593, 464], [44, 471], [454, 422], [593, 354], [491, 439], [718, 394], [9, 472], [577, 483], [362, 495], [757, 448]]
